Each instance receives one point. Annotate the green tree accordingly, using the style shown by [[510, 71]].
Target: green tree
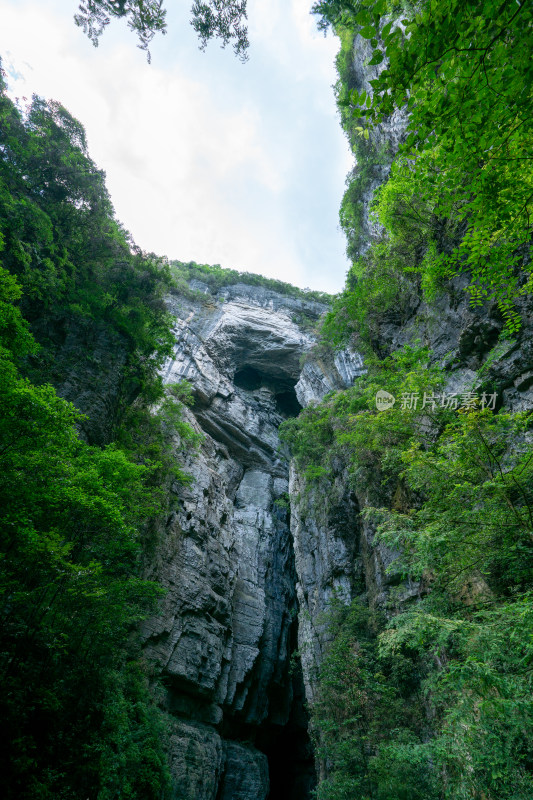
[[457, 507], [70, 584], [470, 543], [79, 270], [463, 72], [80, 719], [222, 19], [367, 717]]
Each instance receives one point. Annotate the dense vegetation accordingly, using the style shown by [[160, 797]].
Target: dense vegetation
[[427, 699], [216, 277], [79, 719], [460, 194], [436, 702], [430, 697]]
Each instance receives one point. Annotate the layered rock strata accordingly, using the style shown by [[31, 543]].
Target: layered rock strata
[[247, 588], [225, 639]]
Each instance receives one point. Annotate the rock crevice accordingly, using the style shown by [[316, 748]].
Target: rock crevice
[[225, 641]]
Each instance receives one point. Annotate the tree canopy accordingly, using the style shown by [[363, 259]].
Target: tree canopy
[[220, 19], [463, 71], [77, 714]]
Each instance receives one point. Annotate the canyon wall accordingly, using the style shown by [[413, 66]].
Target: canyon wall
[[224, 645]]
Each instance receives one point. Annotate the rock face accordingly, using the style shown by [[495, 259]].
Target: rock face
[[247, 587], [335, 550], [320, 376], [385, 137], [227, 630]]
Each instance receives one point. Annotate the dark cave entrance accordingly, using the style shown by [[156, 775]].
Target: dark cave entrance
[[289, 751], [288, 748], [282, 735], [287, 403], [251, 379], [248, 378]]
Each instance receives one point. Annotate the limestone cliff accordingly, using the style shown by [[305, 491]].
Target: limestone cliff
[[241, 634], [336, 554], [224, 643]]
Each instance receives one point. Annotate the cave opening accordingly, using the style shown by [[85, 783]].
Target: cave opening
[[248, 379], [287, 403], [289, 751], [251, 379], [283, 734]]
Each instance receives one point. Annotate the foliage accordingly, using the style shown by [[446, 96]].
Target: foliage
[[369, 153], [455, 486], [471, 542], [452, 499], [223, 19], [132, 762], [381, 283], [477, 516], [216, 277], [156, 436], [347, 423], [378, 291], [78, 269], [70, 585], [463, 71], [144, 17], [80, 719], [368, 717]]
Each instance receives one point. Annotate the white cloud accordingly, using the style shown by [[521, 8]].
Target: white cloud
[[205, 168]]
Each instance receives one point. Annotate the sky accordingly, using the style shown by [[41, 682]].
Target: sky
[[207, 159]]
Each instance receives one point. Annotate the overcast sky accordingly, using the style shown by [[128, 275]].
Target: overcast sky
[[207, 159]]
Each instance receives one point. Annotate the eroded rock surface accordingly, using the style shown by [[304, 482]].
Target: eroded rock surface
[[322, 375], [227, 630], [246, 586]]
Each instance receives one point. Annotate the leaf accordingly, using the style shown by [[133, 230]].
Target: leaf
[[377, 58]]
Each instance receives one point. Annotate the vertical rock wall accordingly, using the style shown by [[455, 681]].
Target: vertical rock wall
[[335, 551], [225, 639]]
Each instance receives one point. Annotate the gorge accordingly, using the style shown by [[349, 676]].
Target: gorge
[[257, 542], [251, 563], [226, 640]]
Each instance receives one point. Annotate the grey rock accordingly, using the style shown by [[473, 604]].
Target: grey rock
[[385, 137], [264, 339], [223, 640], [320, 376], [89, 372], [245, 775], [326, 532], [196, 758], [266, 298]]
